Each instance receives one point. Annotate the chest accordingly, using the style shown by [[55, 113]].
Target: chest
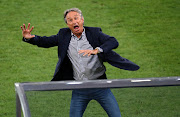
[[77, 44]]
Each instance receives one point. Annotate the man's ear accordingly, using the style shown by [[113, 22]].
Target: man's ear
[[83, 20]]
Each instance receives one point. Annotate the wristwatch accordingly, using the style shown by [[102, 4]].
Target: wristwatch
[[99, 49]]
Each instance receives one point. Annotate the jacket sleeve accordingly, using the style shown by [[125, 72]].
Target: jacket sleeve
[[107, 42], [120, 62], [45, 42]]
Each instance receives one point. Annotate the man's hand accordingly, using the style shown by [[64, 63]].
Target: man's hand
[[88, 52], [27, 32]]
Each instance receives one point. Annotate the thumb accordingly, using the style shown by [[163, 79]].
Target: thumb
[[29, 36], [32, 35]]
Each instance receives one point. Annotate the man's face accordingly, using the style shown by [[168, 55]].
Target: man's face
[[75, 22]]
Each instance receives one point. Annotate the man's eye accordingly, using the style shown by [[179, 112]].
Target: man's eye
[[69, 20], [76, 18]]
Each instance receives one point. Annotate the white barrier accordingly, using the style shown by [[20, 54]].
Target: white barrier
[[21, 99]]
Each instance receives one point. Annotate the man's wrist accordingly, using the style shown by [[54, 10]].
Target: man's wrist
[[25, 39], [99, 49]]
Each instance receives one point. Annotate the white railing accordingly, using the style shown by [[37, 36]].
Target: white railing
[[21, 88]]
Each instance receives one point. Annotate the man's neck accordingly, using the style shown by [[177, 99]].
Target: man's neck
[[78, 35]]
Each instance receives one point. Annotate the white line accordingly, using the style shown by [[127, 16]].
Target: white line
[[75, 83], [109, 81], [140, 80]]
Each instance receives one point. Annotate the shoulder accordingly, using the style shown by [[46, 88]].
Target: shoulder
[[92, 28], [64, 30]]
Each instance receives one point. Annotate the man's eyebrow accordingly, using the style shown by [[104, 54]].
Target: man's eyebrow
[[74, 15]]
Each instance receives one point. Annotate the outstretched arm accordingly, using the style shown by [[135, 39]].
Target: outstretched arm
[[44, 41], [26, 33]]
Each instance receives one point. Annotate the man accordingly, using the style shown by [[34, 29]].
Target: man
[[82, 51]]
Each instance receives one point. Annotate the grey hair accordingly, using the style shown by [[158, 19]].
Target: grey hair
[[72, 9]]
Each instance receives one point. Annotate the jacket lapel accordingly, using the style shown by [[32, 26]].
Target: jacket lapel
[[65, 37], [66, 41], [89, 37]]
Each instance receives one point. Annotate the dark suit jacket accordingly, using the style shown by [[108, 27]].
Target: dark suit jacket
[[95, 37]]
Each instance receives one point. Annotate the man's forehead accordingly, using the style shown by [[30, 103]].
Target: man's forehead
[[72, 14]]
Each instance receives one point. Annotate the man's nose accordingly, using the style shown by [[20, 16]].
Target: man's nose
[[74, 22]]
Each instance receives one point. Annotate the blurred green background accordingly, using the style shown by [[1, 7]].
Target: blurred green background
[[148, 34]]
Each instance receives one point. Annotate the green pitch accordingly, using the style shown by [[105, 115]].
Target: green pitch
[[148, 34]]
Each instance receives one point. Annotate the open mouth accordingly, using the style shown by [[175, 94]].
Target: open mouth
[[76, 27]]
